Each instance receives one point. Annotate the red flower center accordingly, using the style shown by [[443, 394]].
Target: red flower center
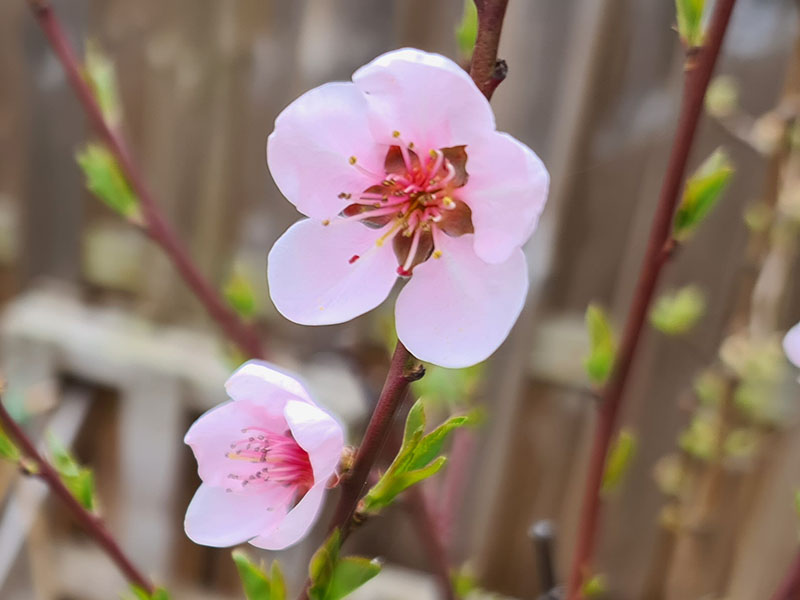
[[278, 459]]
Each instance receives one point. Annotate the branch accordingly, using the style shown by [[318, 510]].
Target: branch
[[90, 522], [156, 226], [697, 76], [486, 71], [789, 588]]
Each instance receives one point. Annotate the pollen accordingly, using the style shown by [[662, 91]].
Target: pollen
[[396, 133], [326, 222], [437, 254], [353, 160]]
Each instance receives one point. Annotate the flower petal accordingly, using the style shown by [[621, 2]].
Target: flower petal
[[456, 310], [314, 279], [428, 98], [219, 518], [506, 191], [791, 344], [259, 380], [308, 152], [211, 436], [319, 434], [295, 525]]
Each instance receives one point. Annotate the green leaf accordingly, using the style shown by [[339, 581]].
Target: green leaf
[[99, 73], [619, 460], [722, 97], [677, 313], [8, 449], [240, 293], [78, 479], [602, 345], [703, 190], [690, 21], [256, 583], [106, 181], [158, 594], [333, 578], [595, 587], [417, 459], [467, 29]]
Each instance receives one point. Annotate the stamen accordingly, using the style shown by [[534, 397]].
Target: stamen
[[437, 164], [377, 212], [451, 173], [412, 253], [390, 234]]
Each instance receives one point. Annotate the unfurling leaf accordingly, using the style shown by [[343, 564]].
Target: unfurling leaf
[[102, 79], [467, 29], [417, 459], [8, 449], [677, 313], [78, 479], [602, 345], [703, 189], [333, 577], [619, 460], [106, 181], [158, 594], [690, 21], [240, 294], [256, 583]]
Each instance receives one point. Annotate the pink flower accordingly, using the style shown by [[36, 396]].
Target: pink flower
[[265, 458], [402, 173], [791, 344]]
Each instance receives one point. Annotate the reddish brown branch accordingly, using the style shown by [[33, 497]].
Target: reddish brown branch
[[696, 79], [156, 226], [486, 71], [789, 588], [90, 522]]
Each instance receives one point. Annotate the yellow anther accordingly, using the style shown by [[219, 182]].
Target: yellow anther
[[432, 152], [437, 254], [448, 202], [396, 134], [326, 222], [410, 145], [353, 160]]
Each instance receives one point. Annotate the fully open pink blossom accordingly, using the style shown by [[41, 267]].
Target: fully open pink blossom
[[265, 458], [791, 344], [402, 173]]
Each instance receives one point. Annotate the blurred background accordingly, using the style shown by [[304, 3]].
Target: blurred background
[[103, 346]]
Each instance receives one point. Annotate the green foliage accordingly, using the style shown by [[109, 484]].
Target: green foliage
[[467, 29], [464, 583], [602, 345], [8, 449], [699, 439], [452, 387], [722, 97], [102, 79], [690, 21], [595, 587], [741, 443], [78, 479], [710, 387], [619, 460], [255, 581], [333, 577], [703, 190], [140, 594], [677, 313], [240, 293], [417, 459], [106, 181]]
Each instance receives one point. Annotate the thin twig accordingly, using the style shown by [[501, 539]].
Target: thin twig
[[156, 226], [789, 588], [90, 522], [486, 71], [696, 79]]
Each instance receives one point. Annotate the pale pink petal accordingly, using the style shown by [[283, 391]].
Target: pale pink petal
[[211, 436], [259, 380], [308, 153], [319, 434], [456, 310], [219, 518], [428, 98], [791, 344], [314, 278], [295, 525], [506, 191]]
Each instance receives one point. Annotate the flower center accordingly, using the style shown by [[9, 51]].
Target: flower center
[[417, 195], [277, 458]]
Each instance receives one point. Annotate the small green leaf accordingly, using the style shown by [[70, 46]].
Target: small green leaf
[[677, 313], [703, 190], [467, 29], [722, 97], [102, 79], [106, 181], [595, 587], [158, 594], [417, 459], [619, 460], [690, 21], [240, 293], [333, 578], [8, 449], [602, 345], [257, 585], [79, 479]]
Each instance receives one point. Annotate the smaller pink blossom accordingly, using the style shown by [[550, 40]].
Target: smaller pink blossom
[[791, 345], [265, 458]]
